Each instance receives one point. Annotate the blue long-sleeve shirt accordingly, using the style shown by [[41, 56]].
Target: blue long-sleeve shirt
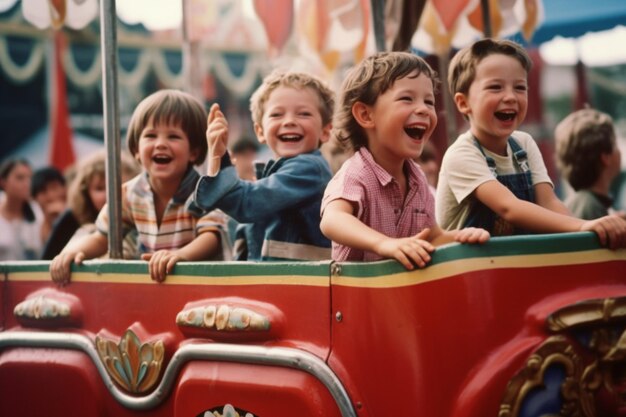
[[280, 211]]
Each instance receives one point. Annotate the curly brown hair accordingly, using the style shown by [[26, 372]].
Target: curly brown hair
[[366, 82], [92, 167]]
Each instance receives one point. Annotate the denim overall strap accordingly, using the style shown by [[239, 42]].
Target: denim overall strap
[[520, 184]]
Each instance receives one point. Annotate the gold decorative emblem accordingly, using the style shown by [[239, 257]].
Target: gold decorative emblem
[[589, 357], [133, 365], [41, 308], [223, 318]]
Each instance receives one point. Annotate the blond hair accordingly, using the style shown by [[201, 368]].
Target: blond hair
[[298, 80], [93, 166]]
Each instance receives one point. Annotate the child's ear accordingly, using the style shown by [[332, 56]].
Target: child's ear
[[462, 103], [258, 129], [362, 113], [325, 137]]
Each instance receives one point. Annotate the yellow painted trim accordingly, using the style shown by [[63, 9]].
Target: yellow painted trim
[[461, 266], [432, 273], [313, 281]]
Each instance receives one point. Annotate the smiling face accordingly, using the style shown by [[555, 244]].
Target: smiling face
[[497, 100], [17, 183], [400, 121], [97, 191], [164, 152], [292, 122]]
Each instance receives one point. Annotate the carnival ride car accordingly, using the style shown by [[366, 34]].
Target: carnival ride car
[[520, 326]]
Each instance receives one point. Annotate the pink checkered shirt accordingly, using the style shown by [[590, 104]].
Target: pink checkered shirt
[[379, 201]]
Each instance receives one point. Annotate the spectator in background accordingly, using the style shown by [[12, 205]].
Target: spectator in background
[[589, 159], [20, 237], [86, 197], [49, 190], [429, 162], [243, 153]]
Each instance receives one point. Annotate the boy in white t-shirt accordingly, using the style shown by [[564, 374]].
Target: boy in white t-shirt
[[494, 176]]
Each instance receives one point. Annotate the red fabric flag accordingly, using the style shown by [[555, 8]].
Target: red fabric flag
[[61, 146], [449, 11], [277, 19]]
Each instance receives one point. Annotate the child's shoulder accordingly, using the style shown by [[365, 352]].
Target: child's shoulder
[[310, 160], [523, 138], [463, 146]]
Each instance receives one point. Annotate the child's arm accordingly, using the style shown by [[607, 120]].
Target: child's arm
[[545, 197], [217, 139], [162, 262], [91, 246], [611, 230], [340, 225]]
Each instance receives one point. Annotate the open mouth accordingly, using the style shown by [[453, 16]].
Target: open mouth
[[416, 132], [290, 138], [161, 159], [505, 116]]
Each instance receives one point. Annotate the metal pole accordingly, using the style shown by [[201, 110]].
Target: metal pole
[[191, 58], [378, 19], [112, 141], [484, 7]]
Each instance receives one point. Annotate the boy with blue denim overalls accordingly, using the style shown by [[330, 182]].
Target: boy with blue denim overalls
[[292, 113], [494, 176]]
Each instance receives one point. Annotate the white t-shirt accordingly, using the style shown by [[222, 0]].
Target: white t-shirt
[[20, 240], [464, 168]]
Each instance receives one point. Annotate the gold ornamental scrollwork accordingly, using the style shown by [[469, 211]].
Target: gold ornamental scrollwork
[[557, 350], [590, 345], [133, 365]]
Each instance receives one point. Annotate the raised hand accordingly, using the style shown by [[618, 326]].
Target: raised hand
[[217, 138]]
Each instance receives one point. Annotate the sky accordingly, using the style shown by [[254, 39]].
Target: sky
[[591, 49]]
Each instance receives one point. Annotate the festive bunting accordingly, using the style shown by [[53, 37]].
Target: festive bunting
[[277, 19]]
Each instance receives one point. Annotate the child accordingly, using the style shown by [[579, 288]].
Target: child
[[165, 135], [292, 114], [20, 224], [86, 197], [494, 176], [379, 204], [243, 154], [589, 159], [49, 190]]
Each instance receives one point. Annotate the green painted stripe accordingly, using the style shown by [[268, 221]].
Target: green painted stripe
[[497, 247], [200, 269]]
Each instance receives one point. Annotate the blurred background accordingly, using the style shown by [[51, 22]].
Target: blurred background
[[51, 75]]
